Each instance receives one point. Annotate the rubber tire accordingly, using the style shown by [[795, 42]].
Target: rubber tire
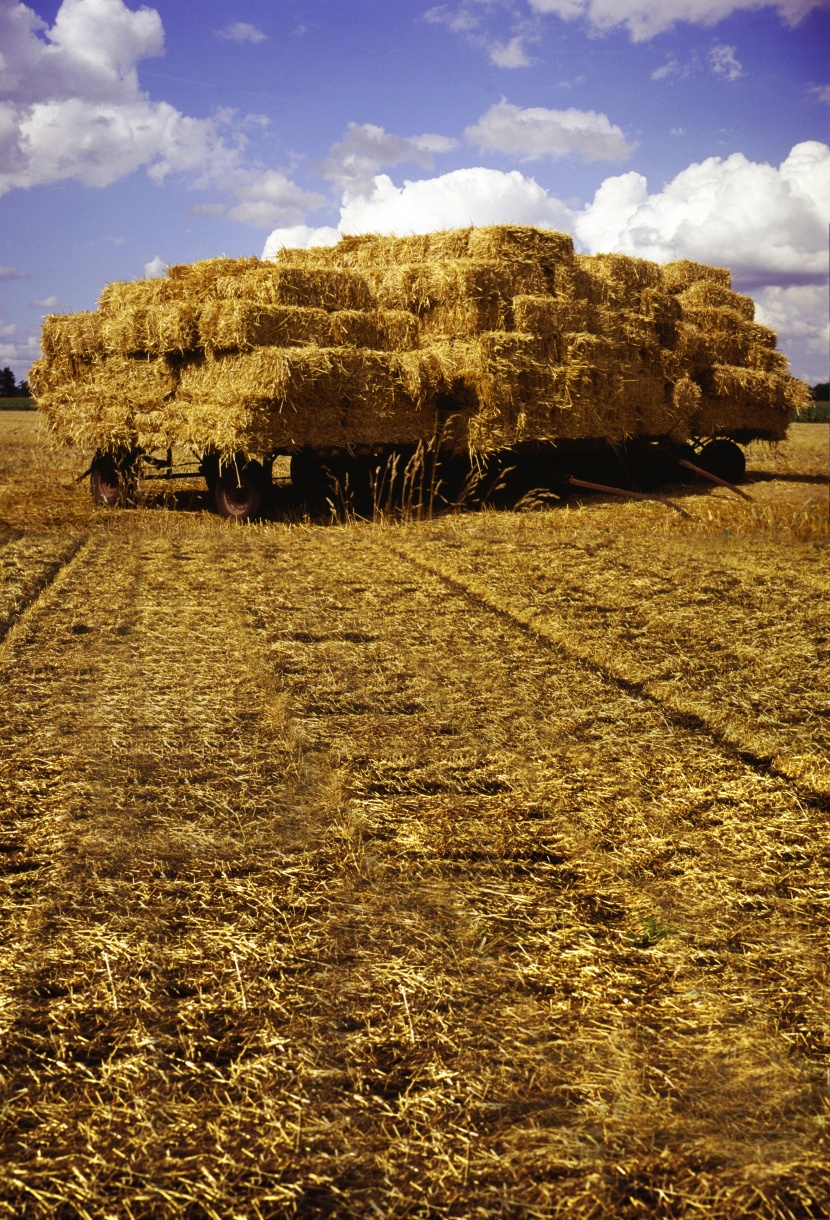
[[724, 459], [239, 490], [110, 479]]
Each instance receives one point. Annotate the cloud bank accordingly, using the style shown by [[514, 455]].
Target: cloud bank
[[645, 18], [463, 197], [769, 225], [71, 106], [354, 161], [536, 132]]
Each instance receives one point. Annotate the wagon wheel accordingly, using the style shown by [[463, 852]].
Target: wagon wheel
[[723, 458], [239, 489], [112, 478]]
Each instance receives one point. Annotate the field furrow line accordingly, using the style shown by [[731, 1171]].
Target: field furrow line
[[28, 567], [8, 535], [810, 774]]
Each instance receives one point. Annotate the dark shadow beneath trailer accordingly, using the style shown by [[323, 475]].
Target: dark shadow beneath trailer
[[415, 480]]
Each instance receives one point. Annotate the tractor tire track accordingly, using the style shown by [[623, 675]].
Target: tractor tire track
[[26, 576], [676, 710]]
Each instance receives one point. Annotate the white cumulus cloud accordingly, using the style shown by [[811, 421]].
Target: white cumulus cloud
[[476, 196], [155, 269], [799, 313], [469, 20], [461, 20], [672, 68], [13, 273], [463, 197], [511, 54], [536, 132], [269, 198], [768, 224], [91, 51], [71, 106], [354, 161], [300, 237], [646, 18], [241, 31], [723, 62]]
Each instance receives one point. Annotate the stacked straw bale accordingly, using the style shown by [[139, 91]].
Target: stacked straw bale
[[494, 336]]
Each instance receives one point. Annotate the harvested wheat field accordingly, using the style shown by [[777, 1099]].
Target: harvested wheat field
[[468, 867]]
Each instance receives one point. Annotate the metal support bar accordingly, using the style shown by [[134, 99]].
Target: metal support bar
[[706, 474], [179, 474], [631, 495]]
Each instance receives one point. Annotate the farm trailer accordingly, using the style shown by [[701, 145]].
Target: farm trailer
[[492, 347]]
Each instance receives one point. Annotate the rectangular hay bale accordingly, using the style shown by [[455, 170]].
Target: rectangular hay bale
[[121, 401], [138, 294], [73, 334], [157, 329], [683, 272], [199, 279], [386, 330], [51, 372], [723, 336], [326, 288], [519, 243], [617, 281], [290, 397], [708, 294], [456, 298], [736, 399], [239, 324], [546, 318]]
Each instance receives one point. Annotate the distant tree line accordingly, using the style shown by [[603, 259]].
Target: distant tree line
[[820, 391], [8, 386]]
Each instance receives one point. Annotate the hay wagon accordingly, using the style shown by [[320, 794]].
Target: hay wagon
[[488, 345]]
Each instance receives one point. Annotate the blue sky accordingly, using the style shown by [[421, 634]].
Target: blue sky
[[132, 137]]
